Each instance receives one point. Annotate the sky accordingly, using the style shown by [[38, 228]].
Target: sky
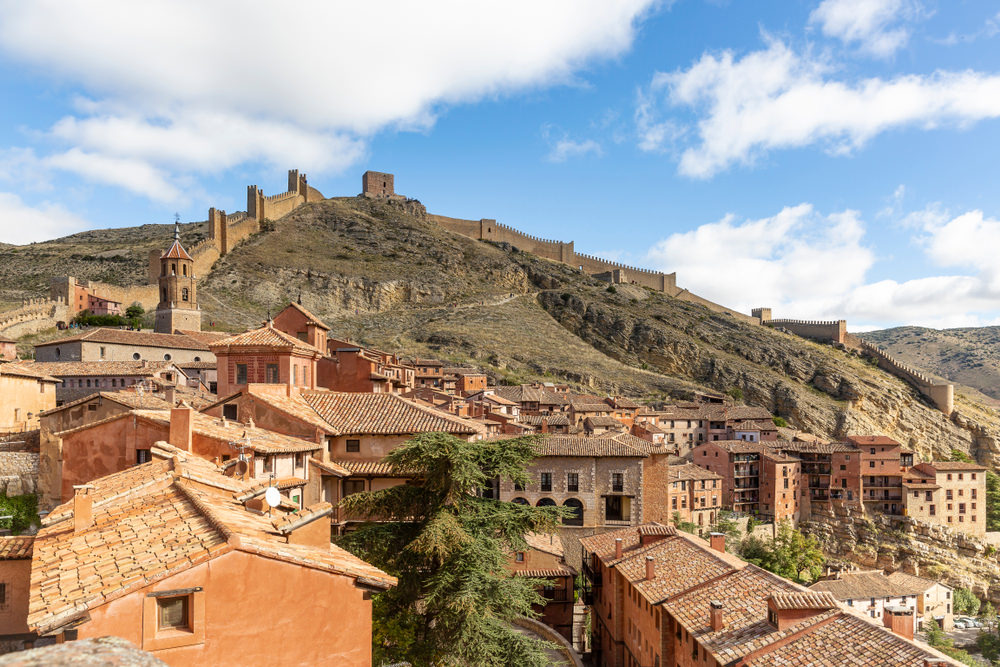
[[830, 159]]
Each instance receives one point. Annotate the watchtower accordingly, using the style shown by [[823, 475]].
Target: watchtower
[[377, 184], [762, 314], [178, 306]]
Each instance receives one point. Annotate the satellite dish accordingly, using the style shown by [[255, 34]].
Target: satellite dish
[[241, 467], [272, 496]]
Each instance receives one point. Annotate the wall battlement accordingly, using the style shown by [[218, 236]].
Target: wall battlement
[[941, 394]]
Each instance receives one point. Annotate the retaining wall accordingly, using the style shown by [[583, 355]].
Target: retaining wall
[[18, 473]]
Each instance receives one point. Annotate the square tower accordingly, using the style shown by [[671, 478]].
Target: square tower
[[377, 184]]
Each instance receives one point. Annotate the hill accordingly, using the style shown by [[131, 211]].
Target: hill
[[969, 356], [383, 274]]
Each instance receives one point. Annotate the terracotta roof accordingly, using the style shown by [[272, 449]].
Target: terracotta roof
[[152, 521], [589, 406], [839, 639], [14, 547], [330, 468], [803, 600], [138, 338], [265, 336], [811, 447], [873, 440], [544, 574], [743, 593], [528, 394], [312, 319], [858, 585], [536, 420], [913, 584], [27, 370], [381, 414], [373, 468], [602, 422], [954, 466], [277, 397], [176, 251], [738, 446], [690, 471], [680, 562], [604, 544], [580, 445], [198, 365], [261, 440], [101, 368], [550, 543]]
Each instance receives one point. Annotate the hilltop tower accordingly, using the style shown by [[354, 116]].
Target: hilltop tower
[[178, 307]]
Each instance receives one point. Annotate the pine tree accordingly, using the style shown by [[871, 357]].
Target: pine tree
[[455, 601]]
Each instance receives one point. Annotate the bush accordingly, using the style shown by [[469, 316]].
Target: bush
[[736, 393], [22, 509], [611, 289], [779, 421]]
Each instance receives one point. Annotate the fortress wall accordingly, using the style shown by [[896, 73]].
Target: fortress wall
[[690, 297], [277, 206], [204, 253], [826, 331], [942, 395], [656, 280], [33, 315], [491, 230], [468, 228]]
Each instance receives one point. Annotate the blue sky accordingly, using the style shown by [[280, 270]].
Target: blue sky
[[830, 159]]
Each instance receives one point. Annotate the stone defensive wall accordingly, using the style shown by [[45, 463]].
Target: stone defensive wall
[[941, 394], [33, 315], [487, 229], [831, 330]]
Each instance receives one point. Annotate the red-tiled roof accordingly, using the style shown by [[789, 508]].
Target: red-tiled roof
[[16, 547], [579, 445], [137, 338], [381, 414], [62, 369], [176, 251], [153, 521], [265, 336]]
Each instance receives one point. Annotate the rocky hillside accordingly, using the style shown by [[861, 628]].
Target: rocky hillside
[[970, 356], [383, 275]]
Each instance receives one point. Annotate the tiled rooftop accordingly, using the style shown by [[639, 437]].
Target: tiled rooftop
[[859, 585], [680, 564], [690, 471], [265, 336], [381, 414], [150, 521], [139, 338], [580, 445], [27, 370], [955, 466], [261, 440], [16, 547], [100, 368]]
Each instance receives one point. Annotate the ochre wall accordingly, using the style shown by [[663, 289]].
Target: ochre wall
[[257, 611], [21, 395]]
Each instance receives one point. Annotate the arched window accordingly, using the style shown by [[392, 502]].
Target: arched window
[[520, 501], [173, 269], [184, 294], [545, 502], [184, 269], [577, 518], [164, 298]]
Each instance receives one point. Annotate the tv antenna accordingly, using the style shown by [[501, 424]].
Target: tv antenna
[[240, 447]]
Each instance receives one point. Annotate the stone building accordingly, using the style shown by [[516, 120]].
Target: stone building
[[8, 349], [695, 494], [600, 478], [105, 344], [947, 493], [884, 464], [265, 356], [78, 379], [178, 309]]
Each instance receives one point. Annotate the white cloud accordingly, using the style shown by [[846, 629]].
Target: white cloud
[[21, 223], [775, 98], [805, 265], [872, 24], [564, 149], [196, 86], [134, 175]]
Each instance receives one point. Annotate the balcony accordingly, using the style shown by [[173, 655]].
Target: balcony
[[594, 576]]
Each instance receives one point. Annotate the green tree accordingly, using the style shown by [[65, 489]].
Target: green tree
[[448, 547], [135, 311], [727, 524], [23, 511], [686, 526], [992, 501], [966, 603], [791, 554], [988, 614], [935, 635]]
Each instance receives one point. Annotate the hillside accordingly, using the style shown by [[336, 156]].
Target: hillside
[[384, 275], [969, 356]]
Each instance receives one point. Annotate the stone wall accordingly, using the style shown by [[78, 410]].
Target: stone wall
[[18, 472], [33, 315], [825, 331]]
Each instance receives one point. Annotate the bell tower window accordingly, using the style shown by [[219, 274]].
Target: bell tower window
[[184, 294], [184, 269]]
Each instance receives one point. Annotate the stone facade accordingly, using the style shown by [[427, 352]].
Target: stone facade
[[377, 184], [947, 494]]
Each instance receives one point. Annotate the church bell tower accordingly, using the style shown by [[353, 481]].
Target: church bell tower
[[178, 308]]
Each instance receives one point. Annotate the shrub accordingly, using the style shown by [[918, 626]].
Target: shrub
[[779, 421], [611, 289], [736, 393]]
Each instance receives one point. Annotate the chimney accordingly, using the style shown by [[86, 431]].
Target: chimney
[[716, 615], [718, 541], [618, 548], [181, 419], [170, 395], [650, 568], [83, 507], [545, 424]]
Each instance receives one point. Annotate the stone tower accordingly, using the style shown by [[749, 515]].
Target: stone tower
[[178, 307]]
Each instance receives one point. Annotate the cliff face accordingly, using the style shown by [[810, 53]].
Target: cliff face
[[928, 551]]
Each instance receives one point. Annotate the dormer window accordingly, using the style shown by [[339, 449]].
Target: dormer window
[[772, 617]]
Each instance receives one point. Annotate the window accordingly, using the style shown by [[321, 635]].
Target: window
[[960, 477], [271, 374], [871, 464], [143, 456], [230, 411], [3, 596], [92, 407], [184, 294], [572, 481], [947, 494], [295, 374], [166, 357], [102, 353], [973, 494], [932, 510], [546, 481], [174, 613], [241, 373], [353, 486], [843, 467], [617, 482], [961, 508], [949, 477], [519, 557], [353, 445]]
